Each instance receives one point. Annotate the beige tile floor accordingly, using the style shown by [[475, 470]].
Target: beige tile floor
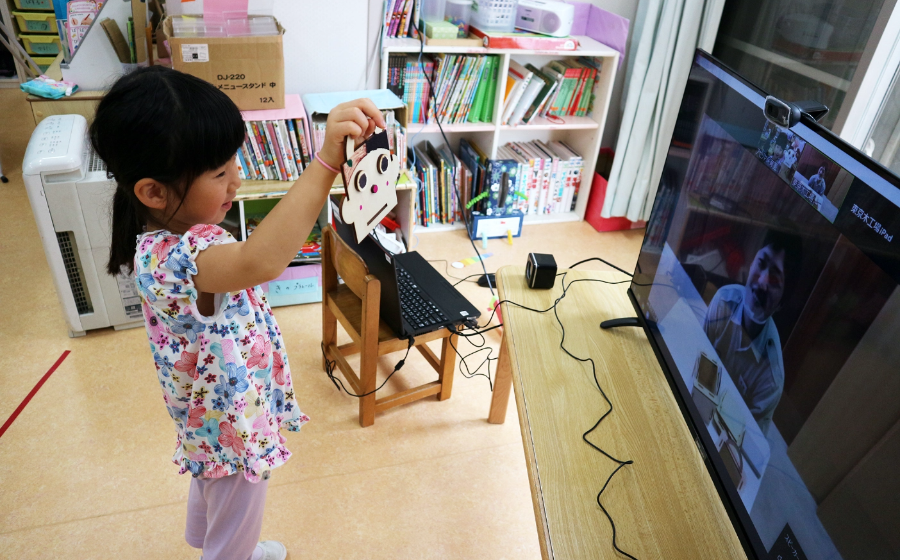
[[85, 470]]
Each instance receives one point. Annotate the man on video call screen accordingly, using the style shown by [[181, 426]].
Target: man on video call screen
[[739, 325]]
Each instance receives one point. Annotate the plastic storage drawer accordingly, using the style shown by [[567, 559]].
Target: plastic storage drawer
[[36, 22], [34, 4], [44, 45], [43, 62]]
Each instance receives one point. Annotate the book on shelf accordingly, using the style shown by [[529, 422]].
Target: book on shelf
[[310, 252], [575, 86], [461, 87], [412, 86], [275, 145], [443, 179], [532, 177], [549, 175], [482, 104], [424, 171], [268, 152], [395, 131], [396, 76], [533, 98], [487, 110], [399, 18], [471, 155], [517, 81]]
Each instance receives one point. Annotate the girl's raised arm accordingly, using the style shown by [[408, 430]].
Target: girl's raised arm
[[278, 238]]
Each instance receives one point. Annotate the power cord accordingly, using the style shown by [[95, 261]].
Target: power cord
[[607, 263], [447, 272], [437, 119], [553, 307], [330, 365], [479, 331]]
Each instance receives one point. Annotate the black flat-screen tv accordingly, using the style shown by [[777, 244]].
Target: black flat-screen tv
[[767, 283]]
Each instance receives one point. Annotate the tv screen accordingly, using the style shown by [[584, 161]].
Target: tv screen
[[768, 285]]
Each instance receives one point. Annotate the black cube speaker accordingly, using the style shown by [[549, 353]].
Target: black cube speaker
[[540, 271]]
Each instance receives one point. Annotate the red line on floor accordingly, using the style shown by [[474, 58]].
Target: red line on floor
[[37, 387]]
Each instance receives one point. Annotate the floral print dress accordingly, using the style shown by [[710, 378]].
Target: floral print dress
[[225, 378]]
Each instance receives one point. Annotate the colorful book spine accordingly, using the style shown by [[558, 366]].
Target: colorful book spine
[[295, 146], [479, 78], [301, 137], [283, 150], [491, 94], [243, 171], [263, 148], [247, 162], [276, 157], [285, 140], [417, 7], [257, 153]]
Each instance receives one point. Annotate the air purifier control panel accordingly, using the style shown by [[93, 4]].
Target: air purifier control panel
[[56, 146]]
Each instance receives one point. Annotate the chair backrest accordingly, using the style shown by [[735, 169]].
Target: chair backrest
[[345, 262]]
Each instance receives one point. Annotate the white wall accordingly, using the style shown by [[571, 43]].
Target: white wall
[[325, 44], [333, 46], [626, 9]]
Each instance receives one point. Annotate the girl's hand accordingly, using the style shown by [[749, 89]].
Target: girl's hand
[[356, 119]]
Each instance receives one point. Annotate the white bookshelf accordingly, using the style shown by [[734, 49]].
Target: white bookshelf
[[582, 133]]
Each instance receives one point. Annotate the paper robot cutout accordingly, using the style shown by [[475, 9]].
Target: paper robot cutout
[[790, 157], [370, 183]]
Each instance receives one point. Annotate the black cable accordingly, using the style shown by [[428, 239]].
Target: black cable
[[620, 463], [565, 289], [607, 263], [437, 119], [468, 374], [480, 347], [330, 364], [461, 280], [447, 272], [479, 332]]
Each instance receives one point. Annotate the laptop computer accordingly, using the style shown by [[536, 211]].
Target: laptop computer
[[415, 298]]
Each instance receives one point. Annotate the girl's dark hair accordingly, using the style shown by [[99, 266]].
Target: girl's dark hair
[[160, 124]]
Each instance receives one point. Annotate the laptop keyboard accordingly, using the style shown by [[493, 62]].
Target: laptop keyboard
[[418, 311]]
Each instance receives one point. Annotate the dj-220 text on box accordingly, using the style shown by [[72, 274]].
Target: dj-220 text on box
[[250, 70]]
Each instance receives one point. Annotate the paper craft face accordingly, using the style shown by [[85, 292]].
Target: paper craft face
[[790, 157], [370, 181]]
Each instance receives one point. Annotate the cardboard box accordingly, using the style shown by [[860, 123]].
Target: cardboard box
[[250, 70]]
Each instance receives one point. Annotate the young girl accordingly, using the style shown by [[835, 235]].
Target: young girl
[[170, 141]]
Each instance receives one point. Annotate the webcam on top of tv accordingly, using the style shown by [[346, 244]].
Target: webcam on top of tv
[[786, 114]]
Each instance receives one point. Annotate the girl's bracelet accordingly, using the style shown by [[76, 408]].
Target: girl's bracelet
[[325, 165]]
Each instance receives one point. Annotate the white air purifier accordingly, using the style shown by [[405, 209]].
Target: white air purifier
[[71, 198]]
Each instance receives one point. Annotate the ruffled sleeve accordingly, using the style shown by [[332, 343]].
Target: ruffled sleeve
[[166, 264]]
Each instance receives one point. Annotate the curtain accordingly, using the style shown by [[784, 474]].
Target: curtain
[[667, 33]]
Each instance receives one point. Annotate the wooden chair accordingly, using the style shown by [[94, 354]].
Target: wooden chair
[[356, 303]]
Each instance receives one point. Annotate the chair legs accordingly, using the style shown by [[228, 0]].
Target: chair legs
[[448, 364], [329, 330], [368, 370]]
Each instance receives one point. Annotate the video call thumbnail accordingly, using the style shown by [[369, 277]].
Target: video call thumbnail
[[820, 181]]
